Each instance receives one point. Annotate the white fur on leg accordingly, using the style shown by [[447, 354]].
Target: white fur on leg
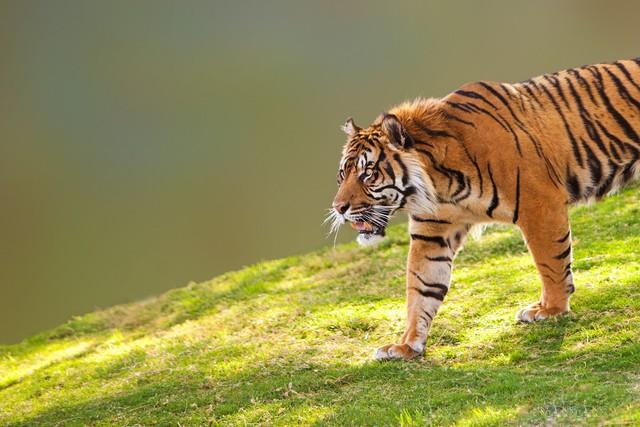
[[381, 354], [369, 239], [530, 314]]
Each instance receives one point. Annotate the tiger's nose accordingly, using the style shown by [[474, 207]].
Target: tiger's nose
[[341, 207]]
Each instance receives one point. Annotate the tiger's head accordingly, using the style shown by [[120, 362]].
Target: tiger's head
[[378, 175]]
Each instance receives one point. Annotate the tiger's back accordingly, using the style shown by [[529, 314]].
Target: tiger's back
[[578, 128]]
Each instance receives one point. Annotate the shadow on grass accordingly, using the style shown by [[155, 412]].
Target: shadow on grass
[[375, 393]]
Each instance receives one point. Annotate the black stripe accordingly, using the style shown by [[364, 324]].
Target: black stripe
[[573, 186], [626, 73], [389, 169], [622, 90], [405, 171], [517, 208], [614, 152], [460, 178], [421, 142], [531, 94], [436, 166], [612, 137], [586, 119], [426, 313], [566, 236], [533, 140], [495, 200], [574, 143], [431, 239], [386, 187], [607, 184], [541, 264], [429, 294], [594, 165], [564, 254], [464, 195], [629, 169], [432, 294], [517, 120], [475, 165], [499, 119], [551, 172], [584, 83], [436, 221], [521, 99], [435, 133], [409, 191], [475, 95], [458, 119], [464, 107], [506, 91], [626, 127], [439, 258], [499, 96], [472, 108], [447, 172], [556, 84], [444, 288]]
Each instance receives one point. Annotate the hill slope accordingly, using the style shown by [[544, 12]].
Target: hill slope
[[290, 342]]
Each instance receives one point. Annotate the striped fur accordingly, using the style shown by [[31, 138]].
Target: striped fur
[[494, 152]]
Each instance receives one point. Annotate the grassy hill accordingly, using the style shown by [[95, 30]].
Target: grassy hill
[[289, 342]]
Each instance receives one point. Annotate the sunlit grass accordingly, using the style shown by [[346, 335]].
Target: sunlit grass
[[289, 342]]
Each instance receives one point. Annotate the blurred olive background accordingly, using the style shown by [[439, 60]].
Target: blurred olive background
[[145, 144]]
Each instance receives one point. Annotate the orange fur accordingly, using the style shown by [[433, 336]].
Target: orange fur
[[491, 152]]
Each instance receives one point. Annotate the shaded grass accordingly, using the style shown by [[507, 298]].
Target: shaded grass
[[289, 342]]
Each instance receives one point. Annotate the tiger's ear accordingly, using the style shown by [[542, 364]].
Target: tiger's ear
[[397, 134], [350, 128]]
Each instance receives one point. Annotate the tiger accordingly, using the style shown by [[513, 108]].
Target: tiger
[[490, 152]]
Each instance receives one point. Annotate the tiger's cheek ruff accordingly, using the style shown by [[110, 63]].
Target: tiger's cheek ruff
[[423, 198]]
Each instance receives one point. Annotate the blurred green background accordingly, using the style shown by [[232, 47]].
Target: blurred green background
[[146, 144]]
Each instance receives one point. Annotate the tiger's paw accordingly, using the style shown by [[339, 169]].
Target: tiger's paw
[[396, 352], [536, 311]]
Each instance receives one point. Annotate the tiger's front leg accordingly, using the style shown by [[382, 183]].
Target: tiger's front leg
[[433, 246]]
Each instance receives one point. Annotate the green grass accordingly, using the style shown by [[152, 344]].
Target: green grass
[[289, 342]]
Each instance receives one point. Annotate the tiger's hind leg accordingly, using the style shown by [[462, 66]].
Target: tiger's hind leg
[[548, 237]]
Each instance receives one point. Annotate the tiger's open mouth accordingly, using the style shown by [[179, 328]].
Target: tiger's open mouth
[[366, 228]]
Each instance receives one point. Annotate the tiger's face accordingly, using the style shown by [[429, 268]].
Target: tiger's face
[[376, 178]]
